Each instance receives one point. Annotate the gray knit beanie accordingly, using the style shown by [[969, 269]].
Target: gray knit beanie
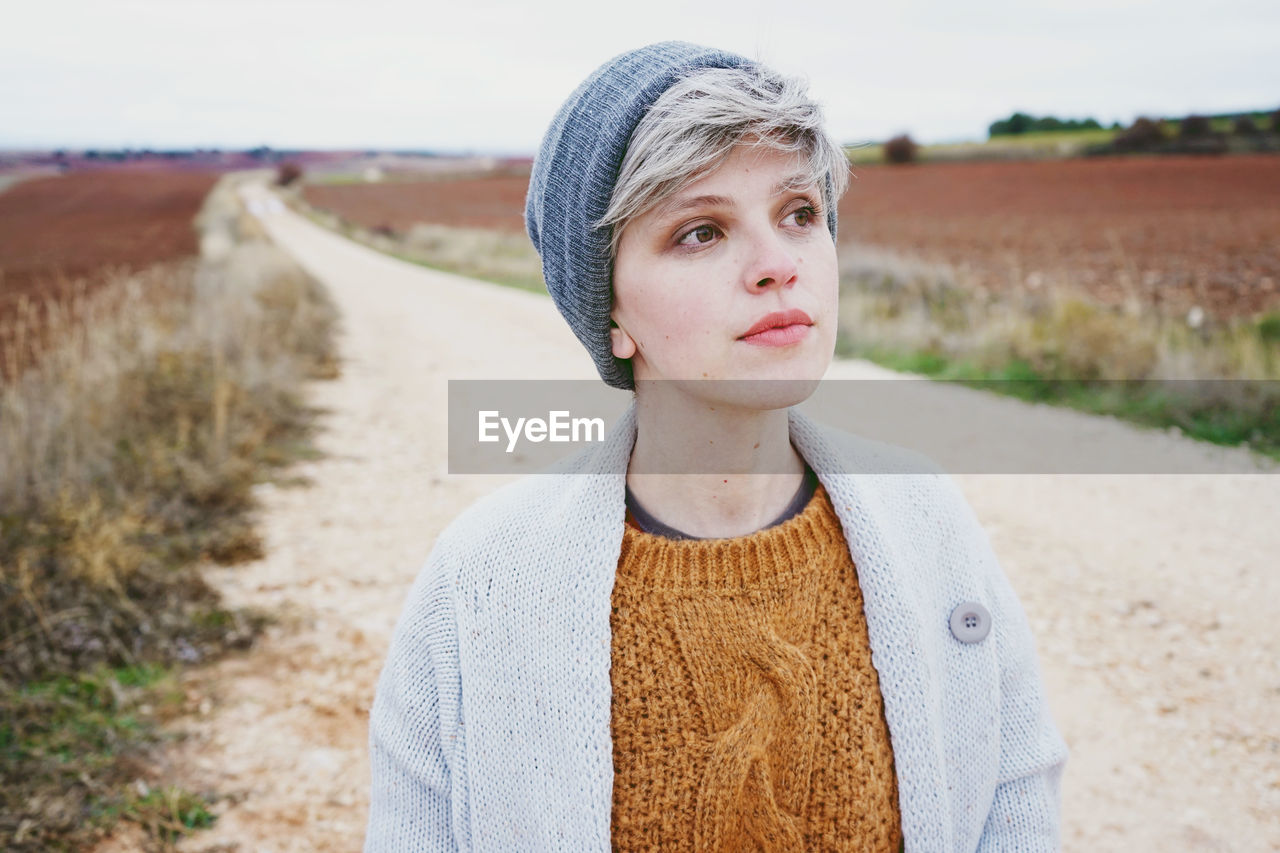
[[573, 178]]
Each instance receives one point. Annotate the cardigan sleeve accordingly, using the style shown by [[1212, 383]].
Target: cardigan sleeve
[[1025, 813], [411, 797], [1026, 808]]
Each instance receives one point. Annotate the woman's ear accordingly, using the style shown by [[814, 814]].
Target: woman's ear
[[624, 346]]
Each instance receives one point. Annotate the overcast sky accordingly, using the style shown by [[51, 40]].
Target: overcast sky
[[487, 76]]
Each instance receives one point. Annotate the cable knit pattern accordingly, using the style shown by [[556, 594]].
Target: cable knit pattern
[[746, 711], [490, 730]]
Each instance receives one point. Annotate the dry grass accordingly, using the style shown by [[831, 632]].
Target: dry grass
[[62, 232], [1051, 344], [485, 253], [890, 301], [1089, 319], [128, 451]]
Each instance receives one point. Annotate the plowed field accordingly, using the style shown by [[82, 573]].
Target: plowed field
[[66, 234], [56, 229], [496, 202], [1172, 232]]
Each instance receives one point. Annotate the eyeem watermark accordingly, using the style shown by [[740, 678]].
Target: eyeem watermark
[[531, 426], [558, 427]]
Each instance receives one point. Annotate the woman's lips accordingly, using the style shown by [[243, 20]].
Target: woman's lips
[[779, 336], [778, 319]]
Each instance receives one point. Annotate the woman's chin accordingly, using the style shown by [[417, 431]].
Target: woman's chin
[[757, 377], [775, 390], [798, 366]]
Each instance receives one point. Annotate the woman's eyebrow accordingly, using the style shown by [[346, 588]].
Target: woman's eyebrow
[[696, 201], [792, 183]]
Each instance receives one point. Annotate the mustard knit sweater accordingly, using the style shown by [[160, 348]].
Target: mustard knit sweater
[[746, 714]]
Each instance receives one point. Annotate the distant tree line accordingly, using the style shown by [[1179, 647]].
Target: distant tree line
[[1192, 126], [1196, 134], [262, 152], [1023, 123], [124, 154]]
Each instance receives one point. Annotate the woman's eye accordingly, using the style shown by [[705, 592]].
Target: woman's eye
[[701, 234], [805, 215]]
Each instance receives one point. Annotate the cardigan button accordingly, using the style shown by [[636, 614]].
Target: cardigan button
[[970, 622]]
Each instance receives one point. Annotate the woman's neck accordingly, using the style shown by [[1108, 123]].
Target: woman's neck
[[743, 470]]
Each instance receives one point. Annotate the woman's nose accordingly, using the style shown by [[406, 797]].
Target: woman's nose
[[772, 262]]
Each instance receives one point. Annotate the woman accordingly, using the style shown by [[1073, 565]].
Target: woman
[[781, 647]]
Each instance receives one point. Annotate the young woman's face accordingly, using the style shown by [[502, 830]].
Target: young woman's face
[[696, 274]]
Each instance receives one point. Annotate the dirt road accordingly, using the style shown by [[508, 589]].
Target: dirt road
[[1153, 598]]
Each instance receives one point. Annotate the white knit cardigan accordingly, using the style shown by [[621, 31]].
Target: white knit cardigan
[[490, 729]]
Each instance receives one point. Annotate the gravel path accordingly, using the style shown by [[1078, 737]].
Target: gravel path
[[1152, 597]]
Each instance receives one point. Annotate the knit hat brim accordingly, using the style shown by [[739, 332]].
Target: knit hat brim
[[573, 177]]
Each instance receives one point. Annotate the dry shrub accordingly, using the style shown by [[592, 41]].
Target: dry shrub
[[893, 302], [1245, 126], [1195, 127], [479, 252], [128, 453], [1076, 339], [223, 223], [1144, 134], [900, 149], [488, 254], [132, 447], [288, 173], [889, 300]]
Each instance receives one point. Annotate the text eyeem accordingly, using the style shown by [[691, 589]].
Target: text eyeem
[[558, 427]]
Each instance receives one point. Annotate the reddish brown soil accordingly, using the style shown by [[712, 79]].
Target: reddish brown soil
[[1174, 231], [62, 237], [496, 202], [80, 225]]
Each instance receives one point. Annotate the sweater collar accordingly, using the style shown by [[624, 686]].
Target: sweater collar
[[557, 588], [852, 469]]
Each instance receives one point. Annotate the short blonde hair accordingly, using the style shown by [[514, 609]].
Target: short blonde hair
[[697, 122]]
